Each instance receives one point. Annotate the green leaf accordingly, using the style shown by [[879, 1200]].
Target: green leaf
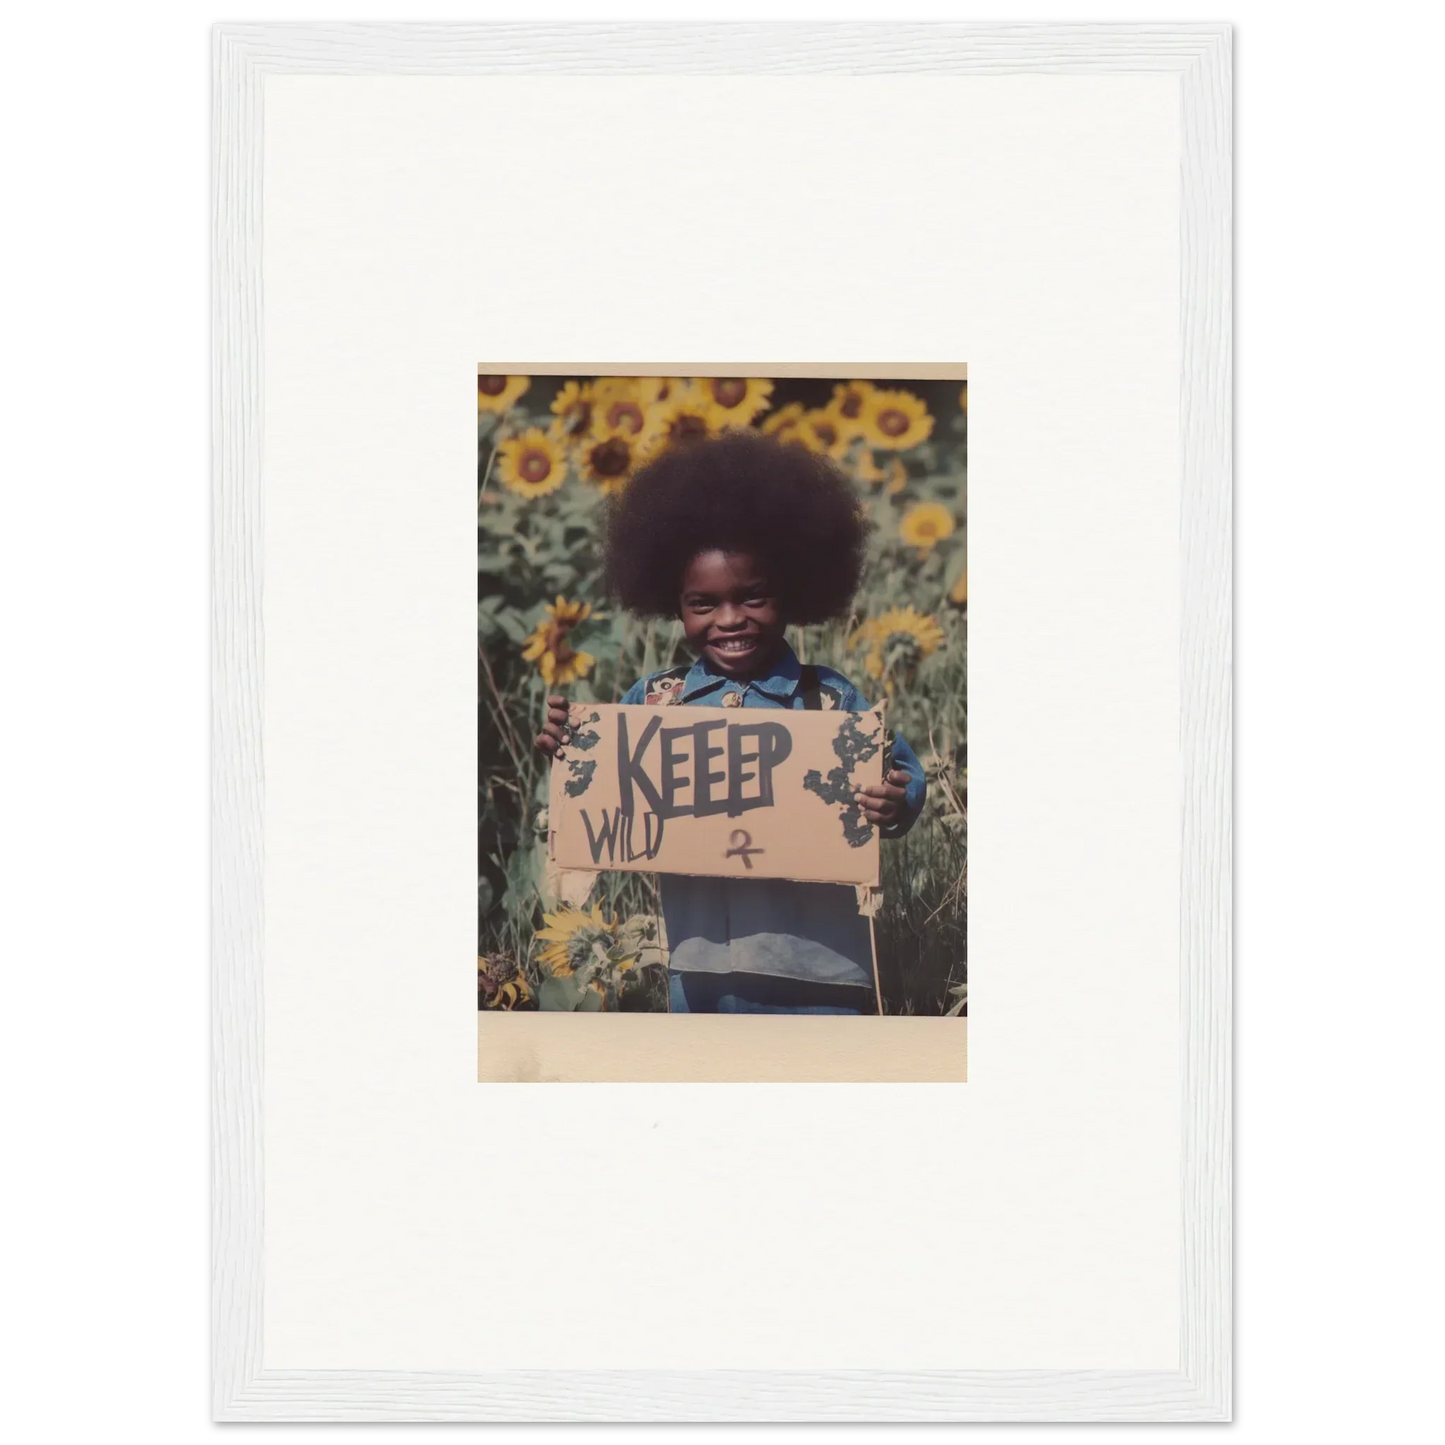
[[513, 626], [562, 994]]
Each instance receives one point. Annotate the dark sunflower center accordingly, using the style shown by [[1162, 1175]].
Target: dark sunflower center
[[610, 459], [892, 422], [852, 404], [582, 943], [628, 412], [579, 416], [730, 391], [688, 425], [827, 433], [902, 647], [535, 466], [491, 385]]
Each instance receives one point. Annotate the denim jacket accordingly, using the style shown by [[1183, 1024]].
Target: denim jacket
[[810, 931]]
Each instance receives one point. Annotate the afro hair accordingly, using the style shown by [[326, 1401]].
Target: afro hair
[[791, 509]]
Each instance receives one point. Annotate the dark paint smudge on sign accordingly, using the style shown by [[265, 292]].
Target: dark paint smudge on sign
[[851, 747], [581, 779]]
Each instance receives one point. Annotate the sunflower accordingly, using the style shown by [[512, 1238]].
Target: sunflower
[[895, 473], [500, 984], [532, 464], [583, 938], [895, 419], [959, 591], [497, 393], [608, 458], [572, 406], [655, 390], [735, 400], [925, 525], [783, 423], [687, 415], [623, 403], [850, 402], [821, 430], [897, 641], [549, 647]]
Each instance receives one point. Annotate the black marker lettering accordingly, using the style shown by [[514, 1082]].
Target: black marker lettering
[[629, 766], [703, 751], [672, 784], [607, 834]]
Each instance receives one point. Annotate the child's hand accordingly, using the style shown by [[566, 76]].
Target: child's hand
[[883, 802], [554, 730]]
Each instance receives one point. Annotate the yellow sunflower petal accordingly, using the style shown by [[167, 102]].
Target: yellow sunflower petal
[[850, 401], [783, 422], [895, 419], [734, 400], [572, 406], [609, 457], [925, 525], [498, 393], [686, 416], [820, 430], [532, 464]]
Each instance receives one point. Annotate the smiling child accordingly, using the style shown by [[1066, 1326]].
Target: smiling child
[[741, 537]]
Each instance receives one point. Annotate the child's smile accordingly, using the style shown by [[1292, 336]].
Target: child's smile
[[729, 613]]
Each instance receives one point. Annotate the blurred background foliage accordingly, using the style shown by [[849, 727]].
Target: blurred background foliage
[[550, 450]]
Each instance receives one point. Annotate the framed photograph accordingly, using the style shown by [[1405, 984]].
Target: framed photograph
[[829, 773]]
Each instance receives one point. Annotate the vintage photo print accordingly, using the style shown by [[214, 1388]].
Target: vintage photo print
[[722, 694]]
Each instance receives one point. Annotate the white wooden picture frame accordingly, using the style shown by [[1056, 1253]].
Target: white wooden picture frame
[[268, 968]]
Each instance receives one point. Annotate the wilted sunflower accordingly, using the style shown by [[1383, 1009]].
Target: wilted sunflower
[[532, 464], [736, 400], [687, 415], [549, 647], [500, 984], [582, 938], [820, 430], [925, 525], [783, 423], [572, 406], [897, 641], [497, 393], [608, 459], [850, 402], [896, 419]]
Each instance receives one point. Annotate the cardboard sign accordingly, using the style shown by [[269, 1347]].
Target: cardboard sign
[[726, 792]]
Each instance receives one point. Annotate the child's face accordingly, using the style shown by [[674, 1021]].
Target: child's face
[[730, 614]]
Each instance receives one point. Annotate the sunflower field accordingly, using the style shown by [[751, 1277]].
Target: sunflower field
[[550, 451]]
